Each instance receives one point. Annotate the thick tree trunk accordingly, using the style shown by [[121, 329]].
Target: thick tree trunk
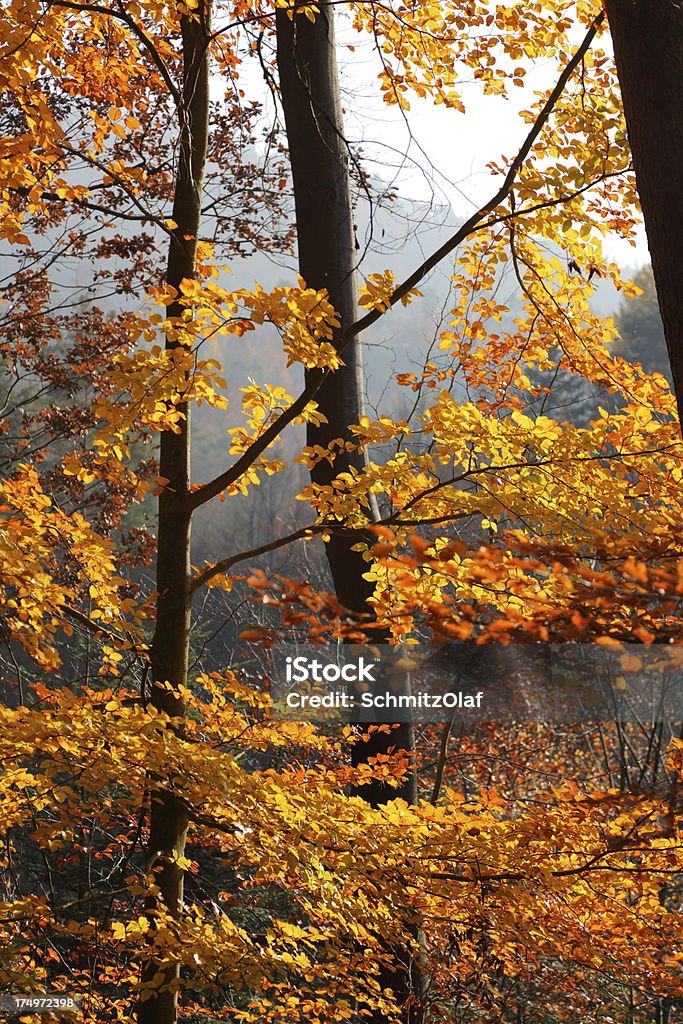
[[326, 244], [648, 49], [327, 259], [170, 646]]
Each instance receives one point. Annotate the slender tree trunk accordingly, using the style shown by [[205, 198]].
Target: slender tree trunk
[[327, 259], [648, 49], [170, 646]]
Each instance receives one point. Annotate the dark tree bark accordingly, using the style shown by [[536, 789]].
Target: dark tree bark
[[326, 245], [327, 259], [170, 645], [648, 49]]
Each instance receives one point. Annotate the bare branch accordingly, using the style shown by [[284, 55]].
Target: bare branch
[[227, 563]]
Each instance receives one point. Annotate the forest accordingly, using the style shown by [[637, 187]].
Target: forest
[[341, 525]]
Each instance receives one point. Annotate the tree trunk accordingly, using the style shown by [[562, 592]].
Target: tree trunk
[[170, 646], [327, 259], [648, 49], [326, 243], [319, 160]]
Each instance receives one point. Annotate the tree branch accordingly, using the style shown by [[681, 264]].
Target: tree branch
[[227, 563], [122, 15], [233, 473]]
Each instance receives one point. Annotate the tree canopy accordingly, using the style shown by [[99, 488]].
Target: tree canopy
[[170, 851]]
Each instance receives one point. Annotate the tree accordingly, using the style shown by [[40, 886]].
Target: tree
[[647, 50], [170, 647], [319, 156], [327, 249], [301, 896]]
